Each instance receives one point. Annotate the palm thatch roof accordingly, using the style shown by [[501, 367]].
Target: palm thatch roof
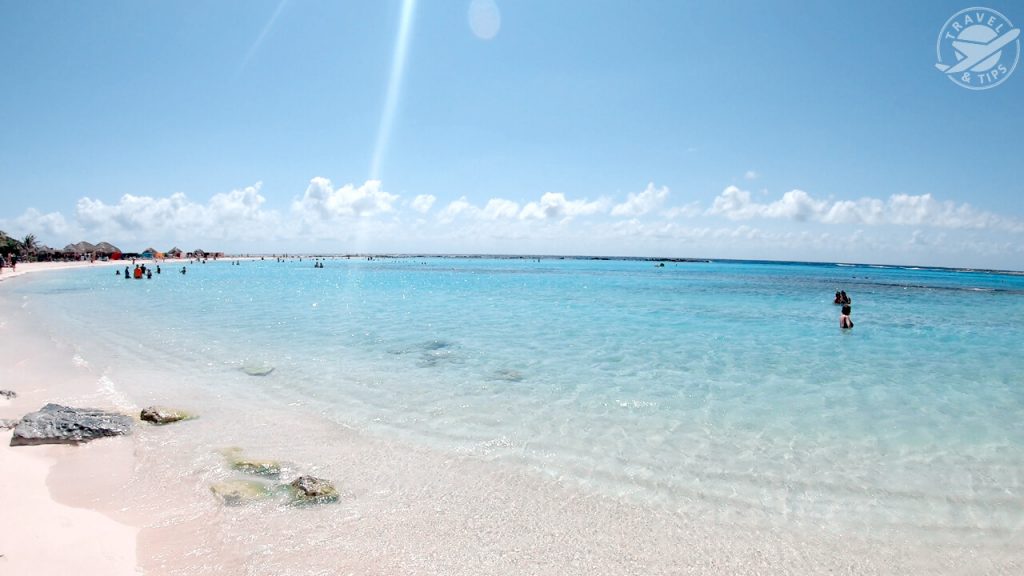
[[106, 248], [81, 248]]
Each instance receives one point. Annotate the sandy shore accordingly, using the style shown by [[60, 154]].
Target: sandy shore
[[43, 535], [49, 537], [29, 267]]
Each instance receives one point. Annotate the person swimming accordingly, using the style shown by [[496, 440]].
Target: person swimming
[[844, 318]]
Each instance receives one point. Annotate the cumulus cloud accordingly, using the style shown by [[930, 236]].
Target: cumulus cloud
[[639, 204], [423, 202], [322, 201], [231, 213], [50, 224], [899, 209], [555, 206], [497, 208], [457, 208]]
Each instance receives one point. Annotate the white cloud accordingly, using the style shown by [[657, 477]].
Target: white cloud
[[735, 204], [456, 209], [685, 211], [423, 202], [51, 224], [639, 204], [226, 214], [321, 201], [555, 206], [901, 228], [898, 210], [500, 208], [751, 175]]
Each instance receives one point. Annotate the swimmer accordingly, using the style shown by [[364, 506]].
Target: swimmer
[[844, 318]]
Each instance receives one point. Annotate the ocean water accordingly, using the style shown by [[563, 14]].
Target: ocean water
[[717, 391]]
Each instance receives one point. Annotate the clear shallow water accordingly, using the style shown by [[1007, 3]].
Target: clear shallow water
[[705, 388]]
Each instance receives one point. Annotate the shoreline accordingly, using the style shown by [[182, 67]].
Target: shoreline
[[24, 268]]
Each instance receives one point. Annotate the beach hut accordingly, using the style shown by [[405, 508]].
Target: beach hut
[[80, 251], [174, 252], [148, 253], [107, 250]]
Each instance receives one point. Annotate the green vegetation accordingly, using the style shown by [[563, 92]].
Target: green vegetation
[[9, 245]]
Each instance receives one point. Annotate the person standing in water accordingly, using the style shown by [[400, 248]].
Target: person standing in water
[[844, 318]]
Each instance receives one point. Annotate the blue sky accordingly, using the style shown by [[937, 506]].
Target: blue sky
[[784, 130]]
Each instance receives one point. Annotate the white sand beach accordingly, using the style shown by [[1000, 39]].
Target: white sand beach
[[43, 535]]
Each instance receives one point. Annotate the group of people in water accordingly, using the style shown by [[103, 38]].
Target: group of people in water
[[844, 316], [141, 271]]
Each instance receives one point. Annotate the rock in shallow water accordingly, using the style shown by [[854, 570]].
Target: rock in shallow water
[[256, 368], [56, 424], [269, 468], [239, 492], [8, 394], [312, 490], [161, 415]]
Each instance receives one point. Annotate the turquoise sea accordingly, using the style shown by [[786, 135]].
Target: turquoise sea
[[723, 391]]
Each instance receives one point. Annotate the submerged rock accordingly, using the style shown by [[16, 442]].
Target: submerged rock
[[508, 375], [240, 492], [257, 467], [312, 490], [269, 468], [256, 368], [161, 415], [56, 424], [8, 394]]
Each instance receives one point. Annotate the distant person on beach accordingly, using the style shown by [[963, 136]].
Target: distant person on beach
[[14, 262], [3, 263], [844, 318]]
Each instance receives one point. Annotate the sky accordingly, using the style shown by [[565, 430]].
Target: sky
[[818, 131]]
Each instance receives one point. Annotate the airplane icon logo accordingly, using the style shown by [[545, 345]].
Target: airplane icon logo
[[981, 47]]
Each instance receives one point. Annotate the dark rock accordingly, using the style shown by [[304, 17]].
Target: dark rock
[[8, 394], [311, 490], [161, 415], [56, 424]]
